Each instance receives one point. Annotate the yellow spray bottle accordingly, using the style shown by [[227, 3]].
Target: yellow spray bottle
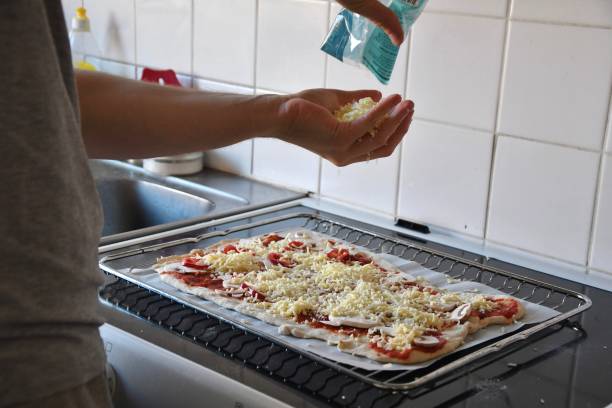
[[82, 42]]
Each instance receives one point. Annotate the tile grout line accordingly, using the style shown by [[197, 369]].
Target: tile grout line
[[135, 21], [255, 45], [192, 44], [325, 63], [457, 125], [400, 158], [529, 139], [500, 94], [503, 244], [599, 184], [519, 19], [549, 143]]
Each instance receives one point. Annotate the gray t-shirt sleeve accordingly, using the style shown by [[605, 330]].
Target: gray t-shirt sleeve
[[49, 214]]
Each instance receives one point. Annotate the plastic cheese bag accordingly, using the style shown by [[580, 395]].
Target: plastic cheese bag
[[355, 40]]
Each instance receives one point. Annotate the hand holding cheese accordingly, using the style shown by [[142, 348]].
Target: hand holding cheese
[[346, 127], [200, 121]]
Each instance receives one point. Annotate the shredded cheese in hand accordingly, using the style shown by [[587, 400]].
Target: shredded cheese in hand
[[354, 110]]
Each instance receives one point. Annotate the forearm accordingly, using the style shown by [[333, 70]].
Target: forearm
[[122, 118]]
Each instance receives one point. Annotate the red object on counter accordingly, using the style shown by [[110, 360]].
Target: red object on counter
[[168, 76]]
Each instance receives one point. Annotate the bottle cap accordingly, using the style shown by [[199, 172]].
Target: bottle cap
[[80, 22]]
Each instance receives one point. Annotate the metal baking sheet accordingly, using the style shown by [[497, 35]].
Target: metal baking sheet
[[533, 313], [533, 293]]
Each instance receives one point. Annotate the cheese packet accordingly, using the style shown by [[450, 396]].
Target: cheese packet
[[356, 40]]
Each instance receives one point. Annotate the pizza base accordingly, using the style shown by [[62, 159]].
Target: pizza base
[[285, 326], [355, 345], [477, 323], [348, 343], [454, 339]]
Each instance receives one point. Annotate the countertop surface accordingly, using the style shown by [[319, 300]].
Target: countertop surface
[[567, 365]]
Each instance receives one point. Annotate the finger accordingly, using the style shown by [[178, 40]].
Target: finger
[[380, 15], [388, 127], [367, 122], [388, 149], [368, 143]]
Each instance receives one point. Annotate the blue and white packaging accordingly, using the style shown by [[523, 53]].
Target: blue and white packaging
[[356, 40]]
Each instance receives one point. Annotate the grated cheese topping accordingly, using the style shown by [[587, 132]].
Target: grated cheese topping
[[319, 286]]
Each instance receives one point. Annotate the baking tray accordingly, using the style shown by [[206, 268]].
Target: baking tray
[[567, 302]]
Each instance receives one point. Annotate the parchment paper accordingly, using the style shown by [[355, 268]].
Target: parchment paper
[[533, 314]]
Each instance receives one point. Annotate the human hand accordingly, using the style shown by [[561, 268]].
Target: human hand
[[308, 121], [380, 15]]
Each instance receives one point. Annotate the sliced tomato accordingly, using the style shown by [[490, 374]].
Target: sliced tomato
[[344, 255], [287, 263], [296, 244], [433, 332], [271, 238], [402, 355], [229, 248], [333, 254], [506, 307], [274, 258], [257, 295], [199, 279], [252, 292], [362, 258], [193, 263]]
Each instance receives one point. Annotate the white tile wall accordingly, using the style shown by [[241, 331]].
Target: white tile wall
[[455, 65], [112, 24], [542, 198], [609, 132], [445, 176], [114, 68], [495, 8], [372, 184], [601, 254], [557, 84], [547, 108], [289, 37], [69, 7], [594, 12], [236, 158], [163, 34], [282, 163], [224, 48]]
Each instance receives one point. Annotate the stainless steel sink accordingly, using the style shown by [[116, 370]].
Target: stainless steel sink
[[135, 204]]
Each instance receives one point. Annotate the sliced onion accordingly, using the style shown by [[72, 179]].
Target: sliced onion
[[445, 307], [389, 331], [461, 312], [226, 284], [426, 341], [330, 323], [358, 322]]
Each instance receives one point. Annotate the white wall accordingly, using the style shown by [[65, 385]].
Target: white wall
[[509, 142]]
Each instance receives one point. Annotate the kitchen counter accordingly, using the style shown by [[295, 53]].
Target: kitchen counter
[[565, 365]]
